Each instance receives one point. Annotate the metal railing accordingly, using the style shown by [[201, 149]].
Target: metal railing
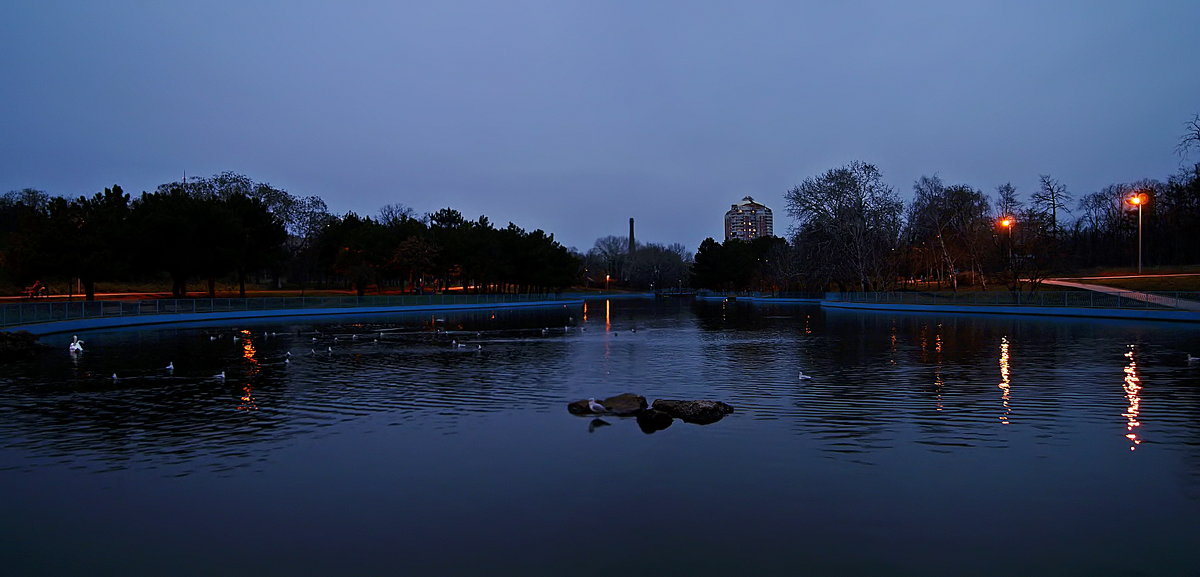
[[26, 313], [1074, 299]]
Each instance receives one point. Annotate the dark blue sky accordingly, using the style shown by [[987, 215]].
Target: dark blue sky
[[575, 116]]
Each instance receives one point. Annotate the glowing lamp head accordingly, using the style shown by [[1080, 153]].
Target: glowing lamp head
[[1137, 198]]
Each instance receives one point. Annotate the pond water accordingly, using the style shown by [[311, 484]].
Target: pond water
[[922, 444]]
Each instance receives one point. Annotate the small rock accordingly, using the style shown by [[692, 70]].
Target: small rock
[[697, 412], [652, 421], [622, 405]]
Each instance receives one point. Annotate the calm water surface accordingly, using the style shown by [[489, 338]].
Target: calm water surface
[[922, 445]]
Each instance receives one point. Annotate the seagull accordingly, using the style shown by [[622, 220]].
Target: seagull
[[76, 345], [329, 350], [804, 376], [114, 376], [220, 375], [212, 337], [170, 366], [314, 352], [479, 347], [595, 407], [287, 361], [288, 354], [314, 339], [354, 337], [1190, 358]]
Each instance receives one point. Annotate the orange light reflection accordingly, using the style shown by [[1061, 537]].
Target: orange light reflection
[[1133, 394], [1004, 385]]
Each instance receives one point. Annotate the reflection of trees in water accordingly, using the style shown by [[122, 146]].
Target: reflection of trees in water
[[187, 418]]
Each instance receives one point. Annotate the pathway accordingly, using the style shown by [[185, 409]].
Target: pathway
[[1172, 302]]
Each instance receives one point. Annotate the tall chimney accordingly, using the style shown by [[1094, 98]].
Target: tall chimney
[[632, 244]]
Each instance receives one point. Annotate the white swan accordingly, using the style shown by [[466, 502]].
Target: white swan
[[595, 407]]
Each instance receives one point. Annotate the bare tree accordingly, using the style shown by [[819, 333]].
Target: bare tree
[[1050, 200], [1006, 200], [1191, 136], [392, 214], [848, 225]]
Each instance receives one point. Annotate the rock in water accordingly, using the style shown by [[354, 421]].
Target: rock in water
[[625, 404], [18, 344], [622, 405], [697, 412], [652, 421]]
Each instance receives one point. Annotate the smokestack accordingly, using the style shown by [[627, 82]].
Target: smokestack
[[632, 244]]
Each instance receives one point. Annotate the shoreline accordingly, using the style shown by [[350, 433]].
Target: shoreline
[[110, 322]]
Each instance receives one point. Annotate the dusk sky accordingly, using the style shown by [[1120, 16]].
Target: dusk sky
[[573, 117]]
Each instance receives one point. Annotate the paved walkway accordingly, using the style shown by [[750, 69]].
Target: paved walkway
[[1172, 302]]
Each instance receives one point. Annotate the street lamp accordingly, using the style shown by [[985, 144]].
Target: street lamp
[[1007, 222], [1138, 198]]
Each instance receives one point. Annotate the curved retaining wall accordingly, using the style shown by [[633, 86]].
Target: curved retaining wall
[[1136, 314], [75, 325], [1103, 313]]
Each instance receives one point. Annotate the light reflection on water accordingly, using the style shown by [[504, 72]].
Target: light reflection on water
[[899, 422]]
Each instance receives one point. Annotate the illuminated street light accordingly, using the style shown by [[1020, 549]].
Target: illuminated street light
[[1138, 198], [1007, 222]]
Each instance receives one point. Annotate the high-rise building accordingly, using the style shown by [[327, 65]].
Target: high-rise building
[[748, 220]]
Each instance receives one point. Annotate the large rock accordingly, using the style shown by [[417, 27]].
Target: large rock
[[652, 421], [18, 344], [622, 405], [697, 412]]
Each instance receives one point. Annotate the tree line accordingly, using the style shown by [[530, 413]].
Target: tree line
[[852, 232], [228, 227]]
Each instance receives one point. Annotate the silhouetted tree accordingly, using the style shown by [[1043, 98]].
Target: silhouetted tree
[[1050, 200], [848, 226]]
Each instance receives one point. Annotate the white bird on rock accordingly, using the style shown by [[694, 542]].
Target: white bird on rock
[[596, 407]]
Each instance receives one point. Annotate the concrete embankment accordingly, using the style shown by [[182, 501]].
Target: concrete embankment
[[94, 323]]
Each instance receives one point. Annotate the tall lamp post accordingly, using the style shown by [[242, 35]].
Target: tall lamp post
[[1008, 222], [1138, 198]]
